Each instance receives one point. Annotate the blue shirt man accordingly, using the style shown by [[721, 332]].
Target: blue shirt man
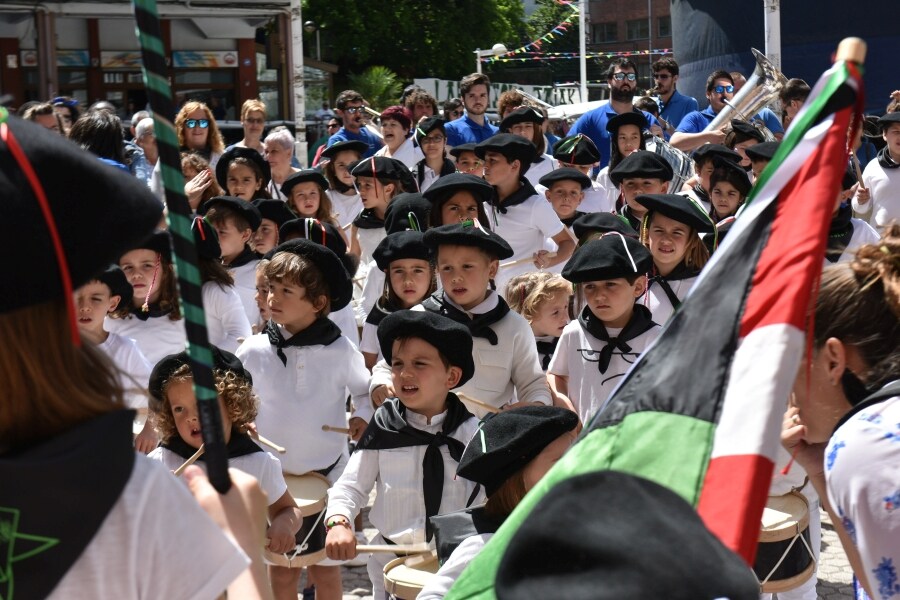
[[673, 105], [593, 125], [350, 109], [473, 127]]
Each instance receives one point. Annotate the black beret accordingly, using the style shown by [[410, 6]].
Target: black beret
[[509, 440], [601, 222], [273, 210], [565, 174], [320, 233], [889, 118], [206, 239], [407, 211], [738, 174], [641, 163], [428, 125], [523, 114], [762, 151], [333, 270], [400, 245], [457, 150], [118, 285], [304, 176], [380, 167], [238, 152], [468, 233], [350, 145], [678, 207], [246, 209], [448, 185], [711, 150], [98, 211], [579, 543], [629, 118], [744, 131], [159, 241], [578, 149], [511, 146], [452, 339], [609, 257], [222, 361]]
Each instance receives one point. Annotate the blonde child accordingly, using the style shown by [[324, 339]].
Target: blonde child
[[409, 279], [177, 422], [243, 173], [543, 299]]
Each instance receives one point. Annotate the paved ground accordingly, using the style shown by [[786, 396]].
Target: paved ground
[[834, 571]]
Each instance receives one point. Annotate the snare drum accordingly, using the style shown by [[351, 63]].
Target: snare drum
[[310, 491], [785, 559], [404, 577]]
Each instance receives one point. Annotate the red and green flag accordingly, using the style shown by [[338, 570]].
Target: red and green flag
[[700, 412]]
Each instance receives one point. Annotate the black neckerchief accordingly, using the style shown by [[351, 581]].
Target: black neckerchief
[[885, 160], [546, 350], [154, 311], [240, 444], [479, 326], [890, 390], [525, 191], [640, 322], [630, 218], [368, 220], [447, 168], [380, 310], [340, 187], [839, 233], [322, 331], [702, 195], [681, 271], [247, 256], [568, 222], [389, 430], [87, 468], [452, 529]]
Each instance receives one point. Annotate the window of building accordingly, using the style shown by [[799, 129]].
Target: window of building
[[638, 29], [664, 26], [604, 33]]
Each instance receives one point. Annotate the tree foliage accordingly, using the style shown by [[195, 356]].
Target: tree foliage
[[378, 85], [414, 38]]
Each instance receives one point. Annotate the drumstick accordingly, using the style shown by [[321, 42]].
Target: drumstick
[[345, 430], [189, 461], [398, 549], [855, 162], [271, 444], [478, 403], [527, 259]]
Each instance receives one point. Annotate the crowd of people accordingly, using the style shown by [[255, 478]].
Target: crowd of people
[[440, 280]]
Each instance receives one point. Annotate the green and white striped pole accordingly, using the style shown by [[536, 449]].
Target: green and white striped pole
[[184, 251]]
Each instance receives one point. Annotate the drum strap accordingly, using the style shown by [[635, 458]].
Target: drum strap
[[324, 472]]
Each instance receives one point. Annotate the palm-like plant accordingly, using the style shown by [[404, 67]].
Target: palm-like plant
[[378, 85]]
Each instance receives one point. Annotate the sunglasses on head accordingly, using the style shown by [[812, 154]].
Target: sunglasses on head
[[201, 123], [721, 89], [621, 76]]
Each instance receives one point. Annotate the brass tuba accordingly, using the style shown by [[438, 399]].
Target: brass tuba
[[762, 87]]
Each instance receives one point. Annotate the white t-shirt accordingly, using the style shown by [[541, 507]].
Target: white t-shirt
[[884, 187], [134, 368], [346, 208], [262, 465], [296, 399], [156, 542], [576, 358], [862, 475], [156, 338], [604, 191], [525, 226], [245, 286], [226, 320], [539, 169]]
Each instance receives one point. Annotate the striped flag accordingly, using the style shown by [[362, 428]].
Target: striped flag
[[700, 412]]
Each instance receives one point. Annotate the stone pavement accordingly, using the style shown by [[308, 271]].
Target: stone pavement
[[834, 570]]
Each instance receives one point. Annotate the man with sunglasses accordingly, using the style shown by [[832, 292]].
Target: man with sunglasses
[[622, 80], [350, 110], [673, 105], [691, 133]]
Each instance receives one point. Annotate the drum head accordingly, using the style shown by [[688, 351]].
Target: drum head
[[299, 561], [404, 577], [309, 491], [784, 517]]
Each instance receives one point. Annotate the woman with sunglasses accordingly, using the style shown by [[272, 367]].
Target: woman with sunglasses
[[453, 109], [197, 132]]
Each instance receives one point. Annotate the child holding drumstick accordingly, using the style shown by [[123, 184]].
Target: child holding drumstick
[[178, 424]]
